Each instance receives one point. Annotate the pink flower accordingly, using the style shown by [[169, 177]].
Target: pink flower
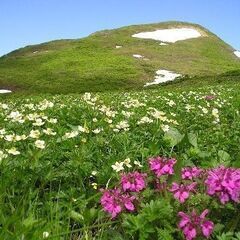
[[114, 201], [190, 173], [162, 166], [181, 192], [209, 97], [193, 224], [224, 183], [133, 182]]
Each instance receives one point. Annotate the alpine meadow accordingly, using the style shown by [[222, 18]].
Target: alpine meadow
[[131, 133]]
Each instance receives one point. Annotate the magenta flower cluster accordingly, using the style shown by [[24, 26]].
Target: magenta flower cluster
[[190, 173], [181, 192], [221, 182], [193, 225], [162, 166], [133, 182], [115, 201], [224, 183], [210, 97]]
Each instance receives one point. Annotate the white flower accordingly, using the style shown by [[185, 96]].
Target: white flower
[[87, 96], [137, 163], [38, 122], [71, 134], [205, 111], [53, 120], [145, 120], [49, 131], [126, 114], [34, 134], [45, 104], [94, 173], [171, 103], [118, 166], [40, 144], [45, 234], [165, 128], [13, 151], [110, 113], [96, 131], [2, 131], [24, 137], [9, 138], [108, 120], [188, 107], [123, 125], [95, 120], [18, 138], [127, 162], [4, 106], [94, 185], [215, 112], [116, 130], [158, 114], [83, 129], [15, 116]]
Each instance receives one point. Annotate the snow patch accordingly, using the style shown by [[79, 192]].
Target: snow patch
[[138, 56], [5, 91], [117, 47], [237, 53], [170, 35], [163, 76], [163, 44]]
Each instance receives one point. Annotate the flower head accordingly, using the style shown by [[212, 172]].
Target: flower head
[[190, 173], [224, 183], [40, 144], [181, 191], [118, 166], [13, 151], [114, 201], [133, 182], [209, 97], [192, 225], [162, 166]]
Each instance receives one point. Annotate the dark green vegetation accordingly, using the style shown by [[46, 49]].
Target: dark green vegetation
[[94, 64]]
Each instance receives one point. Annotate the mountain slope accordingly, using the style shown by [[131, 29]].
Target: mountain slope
[[94, 64]]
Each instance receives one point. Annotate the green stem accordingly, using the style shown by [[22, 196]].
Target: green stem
[[85, 228]]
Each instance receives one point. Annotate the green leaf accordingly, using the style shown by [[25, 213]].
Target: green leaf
[[159, 209], [173, 136], [29, 222], [225, 236], [138, 226], [224, 157], [164, 234], [192, 138], [77, 216], [237, 236]]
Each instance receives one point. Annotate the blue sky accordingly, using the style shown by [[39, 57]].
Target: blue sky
[[26, 22]]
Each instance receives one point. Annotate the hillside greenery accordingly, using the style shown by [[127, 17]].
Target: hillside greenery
[[94, 64]]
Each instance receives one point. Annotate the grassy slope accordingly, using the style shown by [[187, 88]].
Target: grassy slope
[[93, 63]]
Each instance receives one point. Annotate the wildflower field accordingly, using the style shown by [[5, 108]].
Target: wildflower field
[[150, 164]]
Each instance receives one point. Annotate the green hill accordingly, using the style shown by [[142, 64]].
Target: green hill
[[94, 64]]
